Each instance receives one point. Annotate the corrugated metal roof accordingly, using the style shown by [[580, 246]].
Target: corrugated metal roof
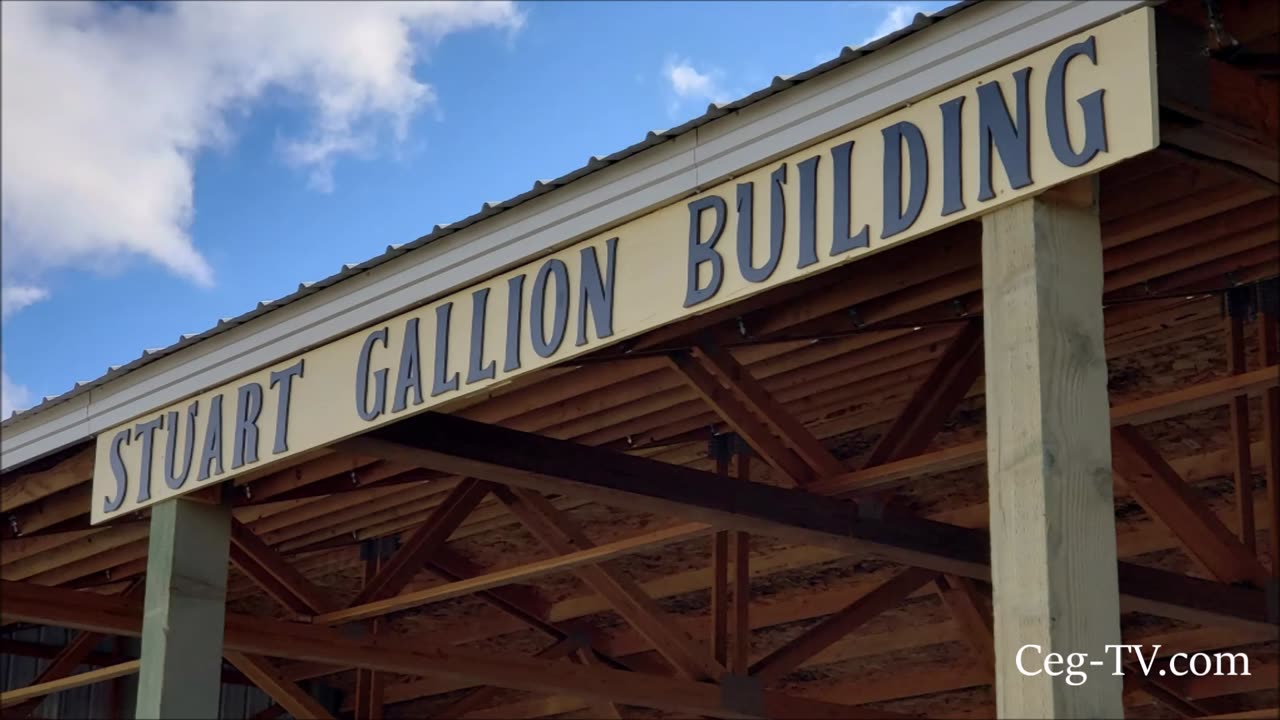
[[489, 209]]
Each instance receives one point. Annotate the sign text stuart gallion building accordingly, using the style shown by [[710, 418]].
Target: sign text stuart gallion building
[[1067, 110]]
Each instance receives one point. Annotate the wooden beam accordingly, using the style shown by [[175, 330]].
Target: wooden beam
[[525, 604], [39, 690], [604, 710], [270, 712], [556, 531], [288, 695], [1162, 693], [739, 380], [17, 490], [369, 683], [1269, 347], [935, 399], [739, 652], [407, 656], [273, 573], [943, 677], [568, 561], [1053, 537], [557, 466], [740, 610], [477, 698], [522, 603], [1201, 396], [434, 533], [971, 614], [734, 412], [774, 666], [1168, 499], [720, 598], [68, 659], [720, 447], [1239, 414], [185, 596]]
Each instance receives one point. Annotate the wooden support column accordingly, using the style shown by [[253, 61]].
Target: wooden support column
[[720, 448], [740, 613], [369, 683], [1239, 301], [1269, 350], [731, 592], [1053, 537], [184, 609]]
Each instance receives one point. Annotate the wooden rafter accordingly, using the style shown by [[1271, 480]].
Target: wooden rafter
[[19, 490], [52, 606], [750, 427], [972, 615], [625, 642], [1158, 407], [556, 531], [1167, 498], [528, 571], [935, 399], [477, 698], [39, 690], [408, 560], [523, 603], [1162, 693], [273, 573], [778, 663], [288, 695], [747, 389], [465, 447], [937, 678], [70, 657], [604, 710]]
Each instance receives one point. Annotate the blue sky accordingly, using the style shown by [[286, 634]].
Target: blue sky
[[167, 166]]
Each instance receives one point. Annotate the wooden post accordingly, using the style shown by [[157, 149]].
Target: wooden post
[[1053, 538], [1269, 351], [184, 611], [1239, 301], [369, 683], [720, 448]]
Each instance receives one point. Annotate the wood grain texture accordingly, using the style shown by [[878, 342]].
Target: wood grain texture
[[184, 609], [1168, 499], [30, 692], [1269, 343], [288, 695], [1053, 538], [1239, 415]]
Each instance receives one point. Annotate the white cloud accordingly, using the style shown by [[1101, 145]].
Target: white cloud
[[105, 107], [12, 396], [897, 16], [689, 84], [15, 297]]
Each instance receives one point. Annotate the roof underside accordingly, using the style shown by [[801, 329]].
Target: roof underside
[[1178, 231]]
